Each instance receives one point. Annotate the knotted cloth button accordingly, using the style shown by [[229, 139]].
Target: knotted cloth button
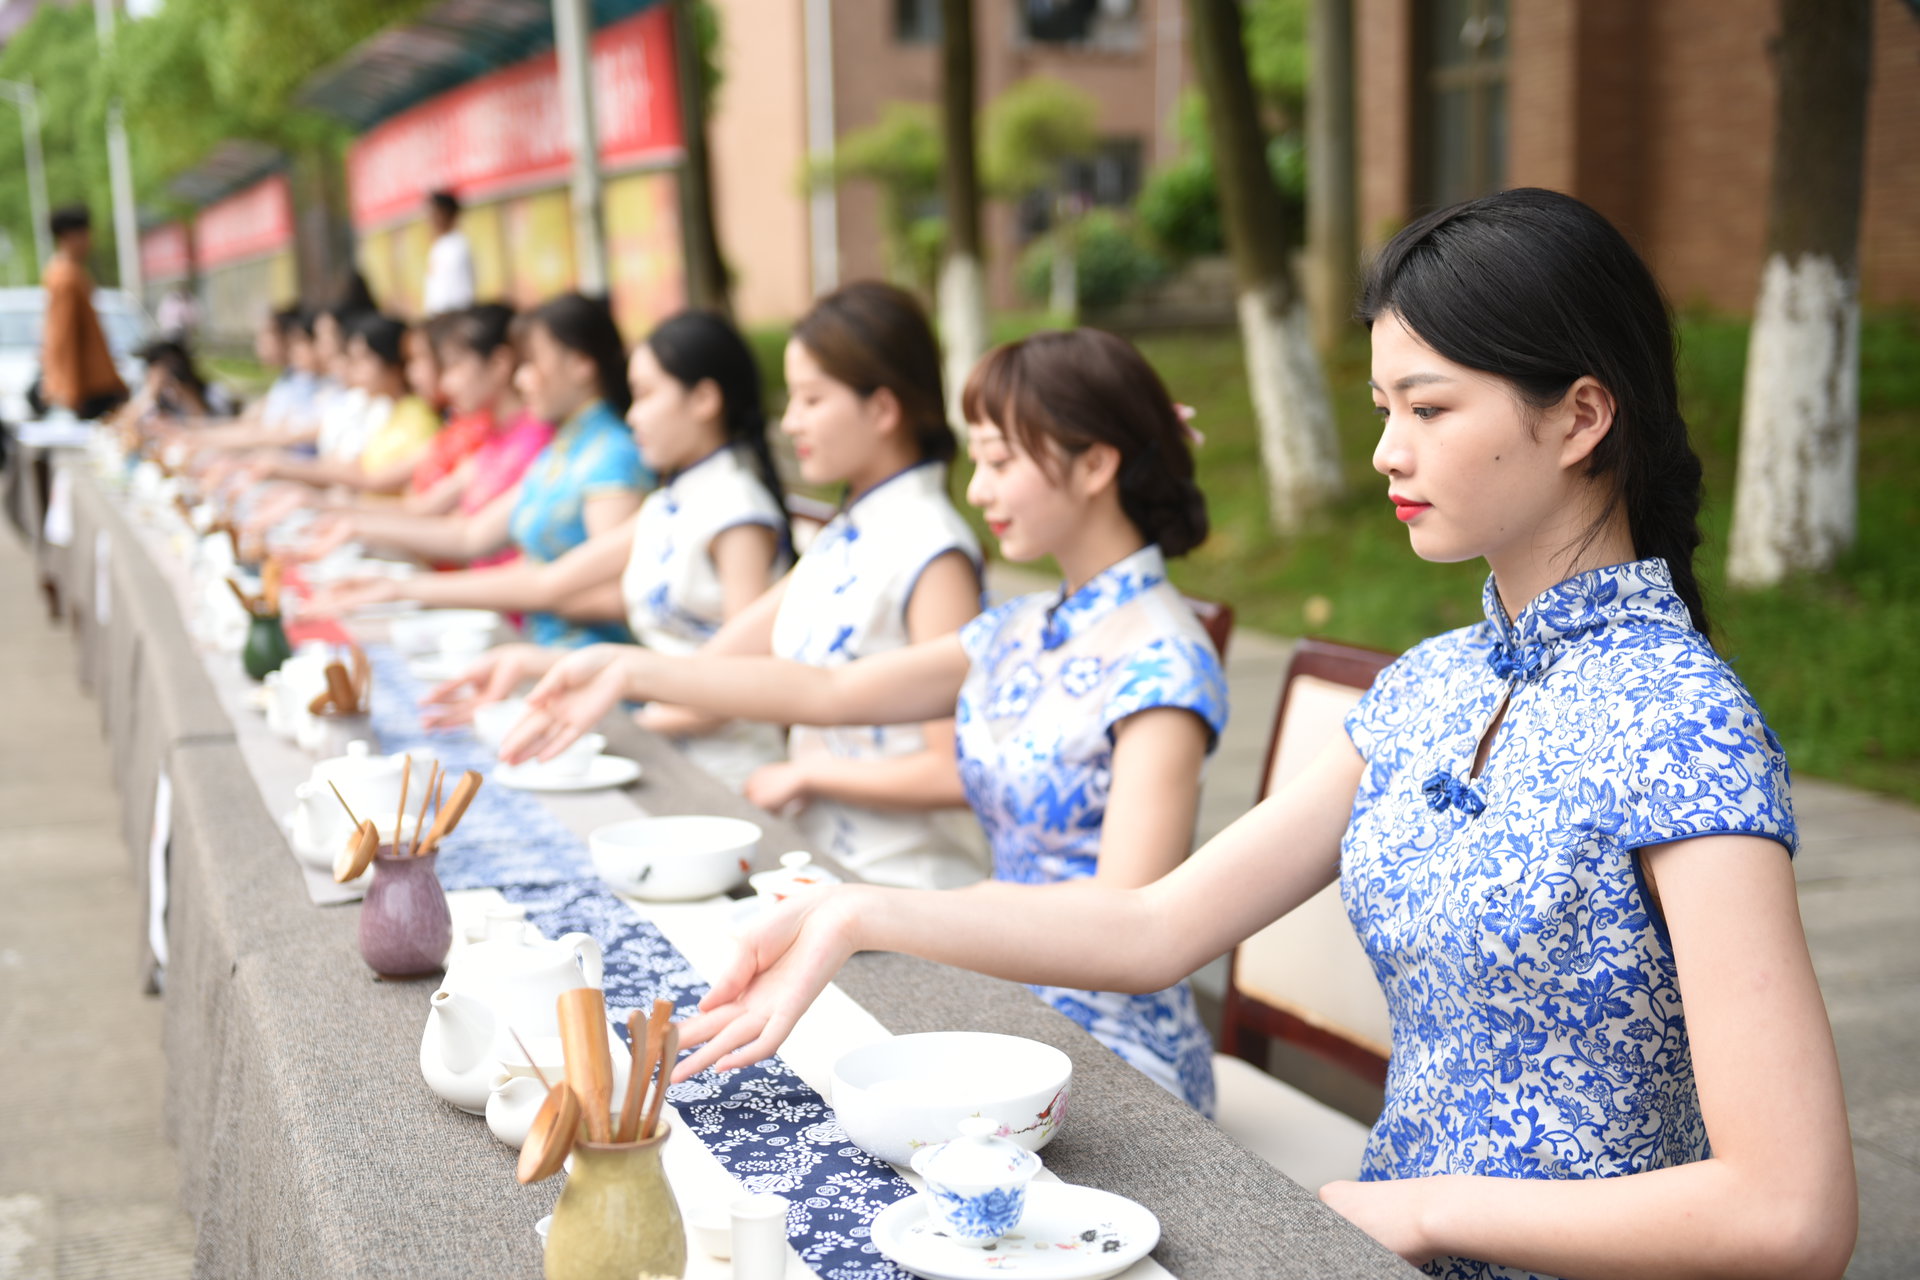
[[1444, 791], [1517, 661]]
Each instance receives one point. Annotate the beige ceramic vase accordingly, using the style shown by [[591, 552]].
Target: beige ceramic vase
[[617, 1218]]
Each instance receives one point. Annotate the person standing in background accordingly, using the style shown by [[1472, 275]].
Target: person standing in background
[[76, 366], [178, 315], [450, 259]]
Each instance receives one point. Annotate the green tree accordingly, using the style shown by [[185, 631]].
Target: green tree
[[57, 55], [900, 155], [1030, 132]]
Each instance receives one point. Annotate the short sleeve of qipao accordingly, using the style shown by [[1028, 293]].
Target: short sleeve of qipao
[[1173, 671], [978, 635], [1707, 764], [1386, 703]]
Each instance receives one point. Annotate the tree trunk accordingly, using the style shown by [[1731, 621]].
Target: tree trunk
[[962, 293], [1795, 489], [1299, 447], [323, 238], [1331, 248], [706, 268]]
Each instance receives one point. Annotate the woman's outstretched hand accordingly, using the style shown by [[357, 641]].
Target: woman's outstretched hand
[[785, 960], [493, 677], [350, 595], [569, 701]]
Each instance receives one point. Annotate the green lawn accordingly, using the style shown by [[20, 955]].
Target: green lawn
[[1822, 654]]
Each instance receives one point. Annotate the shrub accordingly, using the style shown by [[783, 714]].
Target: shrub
[[1112, 261]]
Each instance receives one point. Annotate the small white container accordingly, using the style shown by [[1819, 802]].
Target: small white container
[[674, 859]]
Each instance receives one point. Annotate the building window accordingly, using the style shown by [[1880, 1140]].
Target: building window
[[1462, 125], [916, 21], [1098, 24], [1110, 177]]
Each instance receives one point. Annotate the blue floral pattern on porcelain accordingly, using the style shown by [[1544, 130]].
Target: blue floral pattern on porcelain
[[978, 1181]]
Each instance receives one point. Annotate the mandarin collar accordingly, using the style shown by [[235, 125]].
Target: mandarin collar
[[1121, 581], [1639, 591]]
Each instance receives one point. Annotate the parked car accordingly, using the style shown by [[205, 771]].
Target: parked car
[[21, 311]]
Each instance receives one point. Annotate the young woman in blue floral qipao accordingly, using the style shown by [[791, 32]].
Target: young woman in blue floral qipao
[[1563, 834], [1084, 716]]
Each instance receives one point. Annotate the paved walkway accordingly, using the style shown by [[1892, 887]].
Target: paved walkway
[[87, 1184]]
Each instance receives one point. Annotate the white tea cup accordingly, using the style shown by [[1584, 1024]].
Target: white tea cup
[[577, 758]]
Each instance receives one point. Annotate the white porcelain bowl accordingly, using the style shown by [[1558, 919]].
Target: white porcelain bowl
[[912, 1091], [418, 634], [674, 859]]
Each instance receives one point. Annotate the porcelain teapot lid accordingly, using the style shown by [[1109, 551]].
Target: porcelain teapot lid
[[796, 871], [979, 1156], [358, 762]]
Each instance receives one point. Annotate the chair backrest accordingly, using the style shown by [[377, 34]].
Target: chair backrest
[[1305, 979], [1217, 617]]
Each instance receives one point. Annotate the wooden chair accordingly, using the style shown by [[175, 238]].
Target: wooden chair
[[1304, 979], [1217, 617]]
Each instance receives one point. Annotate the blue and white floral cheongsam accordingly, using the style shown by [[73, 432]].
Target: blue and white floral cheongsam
[[1537, 1025], [1050, 678], [847, 598], [675, 601], [592, 454]]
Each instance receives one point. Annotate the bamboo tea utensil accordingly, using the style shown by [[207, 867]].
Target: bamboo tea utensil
[[270, 583], [352, 862], [551, 1137], [420, 815], [362, 681], [669, 1052], [583, 1038], [642, 1044], [538, 1074], [456, 807], [340, 690], [343, 802], [320, 704], [400, 818], [246, 601]]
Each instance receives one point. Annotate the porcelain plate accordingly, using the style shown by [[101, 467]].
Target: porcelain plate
[[604, 771], [1067, 1233]]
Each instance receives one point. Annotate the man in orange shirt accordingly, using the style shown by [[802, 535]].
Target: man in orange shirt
[[76, 367]]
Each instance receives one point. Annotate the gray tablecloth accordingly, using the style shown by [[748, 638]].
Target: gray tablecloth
[[309, 1145]]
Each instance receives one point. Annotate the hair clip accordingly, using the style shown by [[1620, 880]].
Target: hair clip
[[1187, 412]]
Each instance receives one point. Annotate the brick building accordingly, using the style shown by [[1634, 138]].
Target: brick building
[[1660, 113], [801, 73]]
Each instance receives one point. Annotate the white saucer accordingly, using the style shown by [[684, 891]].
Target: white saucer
[[437, 668], [1067, 1233], [603, 771]]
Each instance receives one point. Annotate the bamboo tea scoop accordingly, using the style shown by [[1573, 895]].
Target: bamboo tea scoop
[[644, 1062], [449, 816], [583, 1038], [669, 1053], [352, 861], [551, 1137], [340, 690]]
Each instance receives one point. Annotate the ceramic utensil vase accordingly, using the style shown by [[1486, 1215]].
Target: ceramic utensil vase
[[617, 1218], [405, 927], [266, 646]]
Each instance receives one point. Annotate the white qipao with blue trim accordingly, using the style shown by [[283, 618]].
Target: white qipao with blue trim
[[1537, 1024], [846, 599], [674, 598], [1050, 679], [673, 594]]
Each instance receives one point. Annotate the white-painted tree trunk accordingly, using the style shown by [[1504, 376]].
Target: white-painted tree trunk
[[963, 325], [1794, 492], [1063, 294], [1299, 444]]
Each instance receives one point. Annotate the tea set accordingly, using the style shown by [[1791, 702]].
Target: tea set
[[581, 767]]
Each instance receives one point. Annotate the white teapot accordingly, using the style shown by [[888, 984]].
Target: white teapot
[[516, 1093], [506, 984], [369, 783]]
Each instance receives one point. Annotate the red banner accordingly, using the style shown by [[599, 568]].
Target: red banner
[[164, 254], [507, 129], [255, 221]]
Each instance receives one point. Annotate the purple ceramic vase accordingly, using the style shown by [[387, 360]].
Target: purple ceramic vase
[[405, 927]]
